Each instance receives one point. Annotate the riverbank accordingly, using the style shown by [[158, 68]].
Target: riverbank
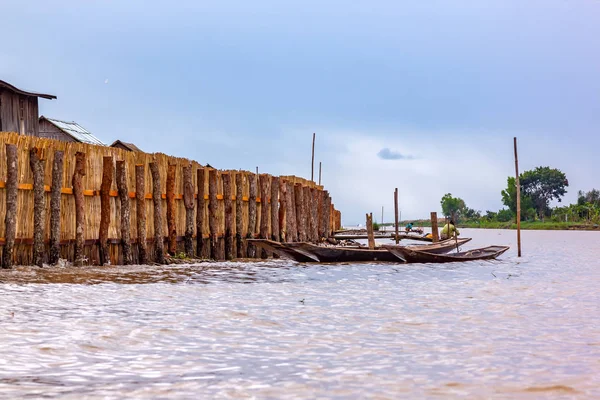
[[525, 225]]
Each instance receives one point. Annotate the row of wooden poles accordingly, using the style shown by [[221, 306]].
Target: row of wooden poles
[[294, 212]]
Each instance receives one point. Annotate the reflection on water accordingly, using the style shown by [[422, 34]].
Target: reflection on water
[[509, 328]]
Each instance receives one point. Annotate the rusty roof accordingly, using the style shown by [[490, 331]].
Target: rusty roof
[[128, 146], [25, 93]]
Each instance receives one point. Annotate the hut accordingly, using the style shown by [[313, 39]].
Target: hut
[[66, 131], [125, 146], [19, 109]]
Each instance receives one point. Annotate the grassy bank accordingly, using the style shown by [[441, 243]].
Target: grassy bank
[[535, 225]]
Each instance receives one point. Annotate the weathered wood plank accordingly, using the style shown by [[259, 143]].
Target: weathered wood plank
[[125, 212]]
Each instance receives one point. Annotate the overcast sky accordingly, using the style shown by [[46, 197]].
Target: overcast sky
[[425, 96]]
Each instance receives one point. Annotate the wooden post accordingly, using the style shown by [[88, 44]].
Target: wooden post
[[314, 214], [300, 212], [307, 212], [290, 215], [312, 162], [188, 202], [319, 173], [140, 205], [370, 234], [275, 235], [212, 214], [252, 214], [396, 215], [57, 174], [434, 227], [123, 191], [201, 182], [39, 205], [227, 191], [78, 175], [265, 210], [239, 222], [283, 228], [327, 215], [159, 237], [518, 183], [10, 219], [107, 178], [321, 214], [171, 226]]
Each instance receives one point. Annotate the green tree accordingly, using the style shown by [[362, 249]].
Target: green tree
[[592, 197], [509, 199], [452, 207], [542, 185]]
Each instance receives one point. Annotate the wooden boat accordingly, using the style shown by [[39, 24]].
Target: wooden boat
[[413, 255], [401, 236], [307, 252]]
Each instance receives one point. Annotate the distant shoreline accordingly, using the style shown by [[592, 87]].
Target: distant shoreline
[[537, 225]]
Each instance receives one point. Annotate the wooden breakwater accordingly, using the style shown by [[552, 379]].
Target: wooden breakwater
[[97, 205]]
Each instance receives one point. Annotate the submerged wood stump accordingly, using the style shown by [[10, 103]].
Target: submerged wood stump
[[275, 209], [300, 212], [39, 206], [314, 214], [239, 221], [265, 210], [212, 214], [307, 208], [200, 209], [226, 176], [171, 227], [107, 178], [188, 202], [159, 246], [10, 219], [123, 191], [57, 174], [282, 211], [251, 214], [290, 217], [78, 175], [140, 199]]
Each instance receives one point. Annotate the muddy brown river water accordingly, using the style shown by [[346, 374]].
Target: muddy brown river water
[[511, 328]]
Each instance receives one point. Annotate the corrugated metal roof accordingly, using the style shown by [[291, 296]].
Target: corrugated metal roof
[[128, 146], [76, 131]]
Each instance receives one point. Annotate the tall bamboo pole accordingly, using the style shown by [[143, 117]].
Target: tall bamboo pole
[[312, 161], [518, 183], [200, 206], [396, 215], [319, 173]]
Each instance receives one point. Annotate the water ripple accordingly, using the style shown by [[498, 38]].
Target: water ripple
[[511, 328]]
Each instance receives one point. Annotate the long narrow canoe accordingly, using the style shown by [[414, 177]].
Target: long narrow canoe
[[307, 252], [412, 255]]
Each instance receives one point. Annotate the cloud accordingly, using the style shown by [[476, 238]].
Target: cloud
[[387, 154]]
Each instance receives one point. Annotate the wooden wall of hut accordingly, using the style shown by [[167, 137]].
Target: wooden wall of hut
[[212, 217]]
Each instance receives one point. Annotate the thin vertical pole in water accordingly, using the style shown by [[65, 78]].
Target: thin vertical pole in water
[[312, 161], [370, 235], [319, 173], [434, 227], [396, 214], [381, 216], [518, 183]]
